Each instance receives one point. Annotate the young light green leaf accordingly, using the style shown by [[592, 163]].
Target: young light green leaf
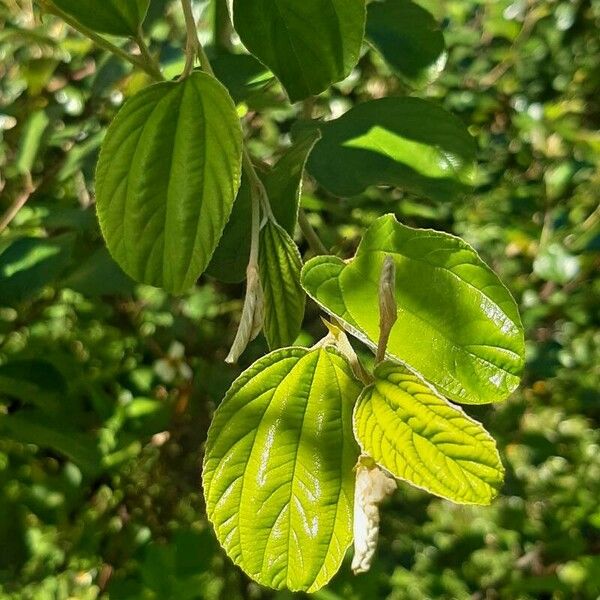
[[284, 181], [405, 142], [414, 433], [280, 266], [409, 39], [168, 174], [458, 326], [308, 45], [115, 17], [278, 470], [230, 260]]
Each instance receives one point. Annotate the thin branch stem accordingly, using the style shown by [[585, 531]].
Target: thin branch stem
[[18, 204], [101, 42], [149, 60], [192, 46], [314, 241]]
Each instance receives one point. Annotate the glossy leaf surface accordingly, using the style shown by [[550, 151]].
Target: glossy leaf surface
[[308, 45], [280, 266], [408, 38], [167, 177], [278, 471], [458, 326], [115, 17], [416, 435], [409, 143]]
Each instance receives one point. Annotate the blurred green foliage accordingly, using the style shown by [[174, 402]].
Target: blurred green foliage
[[107, 388]]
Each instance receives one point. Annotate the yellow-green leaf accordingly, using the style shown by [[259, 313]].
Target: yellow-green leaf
[[278, 472], [414, 433]]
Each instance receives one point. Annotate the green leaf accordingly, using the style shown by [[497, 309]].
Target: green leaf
[[167, 177], [284, 181], [308, 45], [408, 38], [115, 17], [278, 471], [241, 74], [404, 142], [29, 264], [230, 260], [280, 267], [414, 433], [458, 326]]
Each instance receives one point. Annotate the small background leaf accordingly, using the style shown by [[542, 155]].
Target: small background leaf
[[115, 17], [408, 38]]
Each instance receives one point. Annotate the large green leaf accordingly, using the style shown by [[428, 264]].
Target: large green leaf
[[409, 39], [115, 17], [284, 181], [167, 177], [308, 45], [404, 142], [458, 326], [414, 433], [280, 266], [278, 472], [230, 260]]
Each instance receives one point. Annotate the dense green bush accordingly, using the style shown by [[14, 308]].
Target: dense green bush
[[102, 424]]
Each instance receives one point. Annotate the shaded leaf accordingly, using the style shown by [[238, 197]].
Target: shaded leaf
[[308, 45], [403, 142], [280, 266]]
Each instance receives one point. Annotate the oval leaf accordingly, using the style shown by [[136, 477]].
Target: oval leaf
[[115, 17], [168, 174], [411, 431], [457, 326], [278, 471], [308, 45], [280, 267], [409, 39], [404, 142]]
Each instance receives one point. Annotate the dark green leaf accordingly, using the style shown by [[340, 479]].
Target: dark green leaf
[[308, 44], [115, 17], [404, 142]]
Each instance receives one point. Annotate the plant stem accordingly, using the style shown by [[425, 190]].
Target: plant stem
[[101, 42], [18, 204], [192, 46], [149, 60], [314, 241]]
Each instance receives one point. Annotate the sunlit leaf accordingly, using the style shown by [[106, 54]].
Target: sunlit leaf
[[414, 433], [458, 326], [278, 471], [167, 177]]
